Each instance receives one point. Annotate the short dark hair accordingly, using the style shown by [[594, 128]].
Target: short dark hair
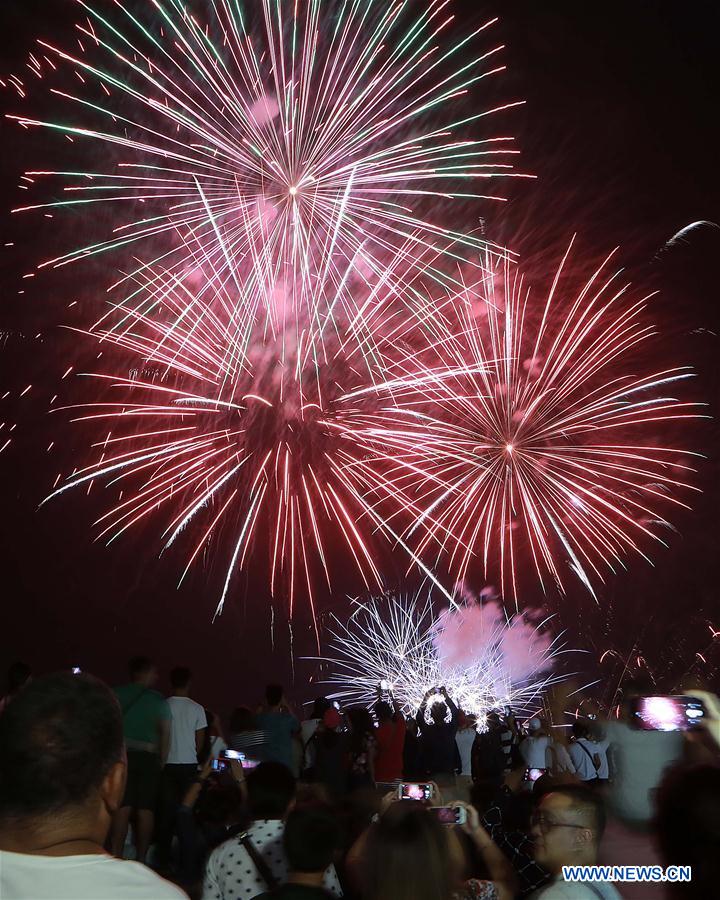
[[319, 707], [588, 803], [383, 711], [180, 677], [312, 835], [273, 694], [58, 740], [242, 719], [580, 729], [638, 685], [140, 665], [18, 674], [271, 787]]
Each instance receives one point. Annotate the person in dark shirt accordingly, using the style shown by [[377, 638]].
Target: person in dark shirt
[[437, 737], [412, 764], [390, 735], [330, 752], [311, 838]]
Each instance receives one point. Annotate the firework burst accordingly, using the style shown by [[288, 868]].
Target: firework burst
[[533, 435], [238, 444], [282, 124]]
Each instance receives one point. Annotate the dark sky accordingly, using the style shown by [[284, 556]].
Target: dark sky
[[621, 128]]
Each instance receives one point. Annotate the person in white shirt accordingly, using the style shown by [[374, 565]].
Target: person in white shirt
[[567, 828], [187, 736], [465, 738], [62, 776], [232, 871], [559, 759], [534, 748], [584, 753]]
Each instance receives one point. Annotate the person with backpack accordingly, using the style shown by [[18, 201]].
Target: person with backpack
[[254, 862], [584, 753]]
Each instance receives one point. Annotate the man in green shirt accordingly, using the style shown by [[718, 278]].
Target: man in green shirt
[[146, 727]]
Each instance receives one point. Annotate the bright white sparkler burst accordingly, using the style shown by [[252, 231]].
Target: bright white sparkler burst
[[485, 660]]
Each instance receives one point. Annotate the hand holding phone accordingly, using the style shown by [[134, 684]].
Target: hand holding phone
[[667, 713], [233, 754], [450, 815], [414, 790]]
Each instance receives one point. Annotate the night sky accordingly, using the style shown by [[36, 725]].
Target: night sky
[[620, 127]]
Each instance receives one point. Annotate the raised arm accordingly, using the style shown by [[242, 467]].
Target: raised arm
[[420, 714], [396, 707], [454, 712], [501, 872]]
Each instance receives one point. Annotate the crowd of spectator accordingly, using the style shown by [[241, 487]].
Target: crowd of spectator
[[129, 794]]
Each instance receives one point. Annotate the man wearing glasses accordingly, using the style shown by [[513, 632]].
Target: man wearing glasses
[[566, 830]]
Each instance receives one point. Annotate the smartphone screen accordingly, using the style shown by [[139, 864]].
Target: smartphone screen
[[249, 763], [449, 815], [664, 713], [534, 774], [220, 765], [233, 754], [415, 791]]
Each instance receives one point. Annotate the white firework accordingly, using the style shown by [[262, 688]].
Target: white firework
[[484, 659]]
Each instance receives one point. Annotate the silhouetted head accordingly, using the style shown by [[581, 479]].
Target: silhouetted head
[[62, 755], [438, 712], [320, 704], [273, 694], [180, 678], [19, 674], [143, 671], [271, 790]]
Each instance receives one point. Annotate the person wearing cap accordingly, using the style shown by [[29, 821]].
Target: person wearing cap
[[534, 748], [331, 753]]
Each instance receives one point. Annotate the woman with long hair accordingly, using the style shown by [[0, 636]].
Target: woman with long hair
[[409, 855]]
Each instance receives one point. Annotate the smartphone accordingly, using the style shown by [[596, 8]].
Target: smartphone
[[233, 754], [249, 763], [336, 705], [220, 765], [508, 711], [449, 815], [534, 774], [415, 790], [667, 713]]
